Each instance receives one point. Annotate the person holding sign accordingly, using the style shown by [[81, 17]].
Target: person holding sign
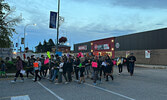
[[109, 67], [37, 65], [82, 69], [95, 69]]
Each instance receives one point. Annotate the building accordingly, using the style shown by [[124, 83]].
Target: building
[[83, 47], [149, 47], [62, 48]]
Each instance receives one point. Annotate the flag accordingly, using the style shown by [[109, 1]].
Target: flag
[[53, 19]]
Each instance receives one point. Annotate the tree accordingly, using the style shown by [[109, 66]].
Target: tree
[[7, 24], [39, 47], [51, 43]]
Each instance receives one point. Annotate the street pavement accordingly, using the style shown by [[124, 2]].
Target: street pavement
[[146, 84]]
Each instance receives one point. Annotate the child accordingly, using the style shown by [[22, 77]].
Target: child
[[3, 69]]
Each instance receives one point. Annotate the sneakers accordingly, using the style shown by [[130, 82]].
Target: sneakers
[[13, 81], [66, 82], [22, 81], [119, 73], [56, 83], [94, 84]]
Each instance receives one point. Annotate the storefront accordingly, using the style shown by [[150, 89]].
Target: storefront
[[85, 48], [103, 47]]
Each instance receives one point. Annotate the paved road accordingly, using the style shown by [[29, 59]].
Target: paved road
[[146, 84]]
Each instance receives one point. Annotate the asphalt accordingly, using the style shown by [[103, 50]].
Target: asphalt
[[146, 84]]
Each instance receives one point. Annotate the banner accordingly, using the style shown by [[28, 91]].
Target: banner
[[127, 54], [53, 19], [46, 61], [48, 54], [147, 53], [94, 64], [59, 53]]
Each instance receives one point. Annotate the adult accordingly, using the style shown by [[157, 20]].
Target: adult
[[19, 67], [3, 69], [82, 70], [69, 69], [109, 68], [29, 67], [37, 65], [95, 66], [56, 68], [76, 68], [120, 64], [132, 60]]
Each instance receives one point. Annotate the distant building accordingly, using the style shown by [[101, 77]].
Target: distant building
[[149, 47], [62, 48]]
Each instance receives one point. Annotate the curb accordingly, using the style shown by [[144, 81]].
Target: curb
[[151, 66]]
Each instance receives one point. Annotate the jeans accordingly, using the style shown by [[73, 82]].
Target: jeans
[[54, 74]]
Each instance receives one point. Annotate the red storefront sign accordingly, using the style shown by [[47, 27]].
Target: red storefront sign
[[82, 47], [103, 47]]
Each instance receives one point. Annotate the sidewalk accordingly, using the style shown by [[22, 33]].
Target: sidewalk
[[151, 66]]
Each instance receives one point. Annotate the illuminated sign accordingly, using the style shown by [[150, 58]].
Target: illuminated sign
[[101, 47], [82, 47]]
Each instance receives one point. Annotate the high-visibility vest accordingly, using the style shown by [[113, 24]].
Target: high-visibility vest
[[35, 64]]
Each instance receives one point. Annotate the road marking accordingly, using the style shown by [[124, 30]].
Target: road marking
[[110, 91], [50, 91], [25, 97], [9, 97]]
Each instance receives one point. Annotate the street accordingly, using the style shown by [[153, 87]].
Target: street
[[146, 84]]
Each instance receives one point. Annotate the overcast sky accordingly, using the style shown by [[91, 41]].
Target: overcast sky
[[87, 20]]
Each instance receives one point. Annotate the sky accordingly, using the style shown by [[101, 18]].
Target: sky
[[87, 20]]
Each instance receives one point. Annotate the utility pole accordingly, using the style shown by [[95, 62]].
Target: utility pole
[[58, 12]]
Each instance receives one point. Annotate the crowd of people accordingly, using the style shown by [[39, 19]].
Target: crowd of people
[[72, 68]]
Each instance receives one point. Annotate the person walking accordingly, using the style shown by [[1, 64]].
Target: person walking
[[76, 68], [82, 70], [69, 69], [56, 66], [37, 65], [120, 64], [102, 68], [19, 67], [42, 59], [60, 71], [29, 67], [132, 60], [65, 69], [3, 69], [95, 66], [109, 67]]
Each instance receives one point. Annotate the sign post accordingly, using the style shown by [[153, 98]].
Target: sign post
[[54, 16]]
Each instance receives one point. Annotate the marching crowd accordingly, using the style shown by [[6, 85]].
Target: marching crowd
[[71, 67]]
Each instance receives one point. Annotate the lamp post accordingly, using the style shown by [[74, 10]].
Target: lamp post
[[58, 12], [25, 33]]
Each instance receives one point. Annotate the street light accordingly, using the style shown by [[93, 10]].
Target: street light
[[25, 33]]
